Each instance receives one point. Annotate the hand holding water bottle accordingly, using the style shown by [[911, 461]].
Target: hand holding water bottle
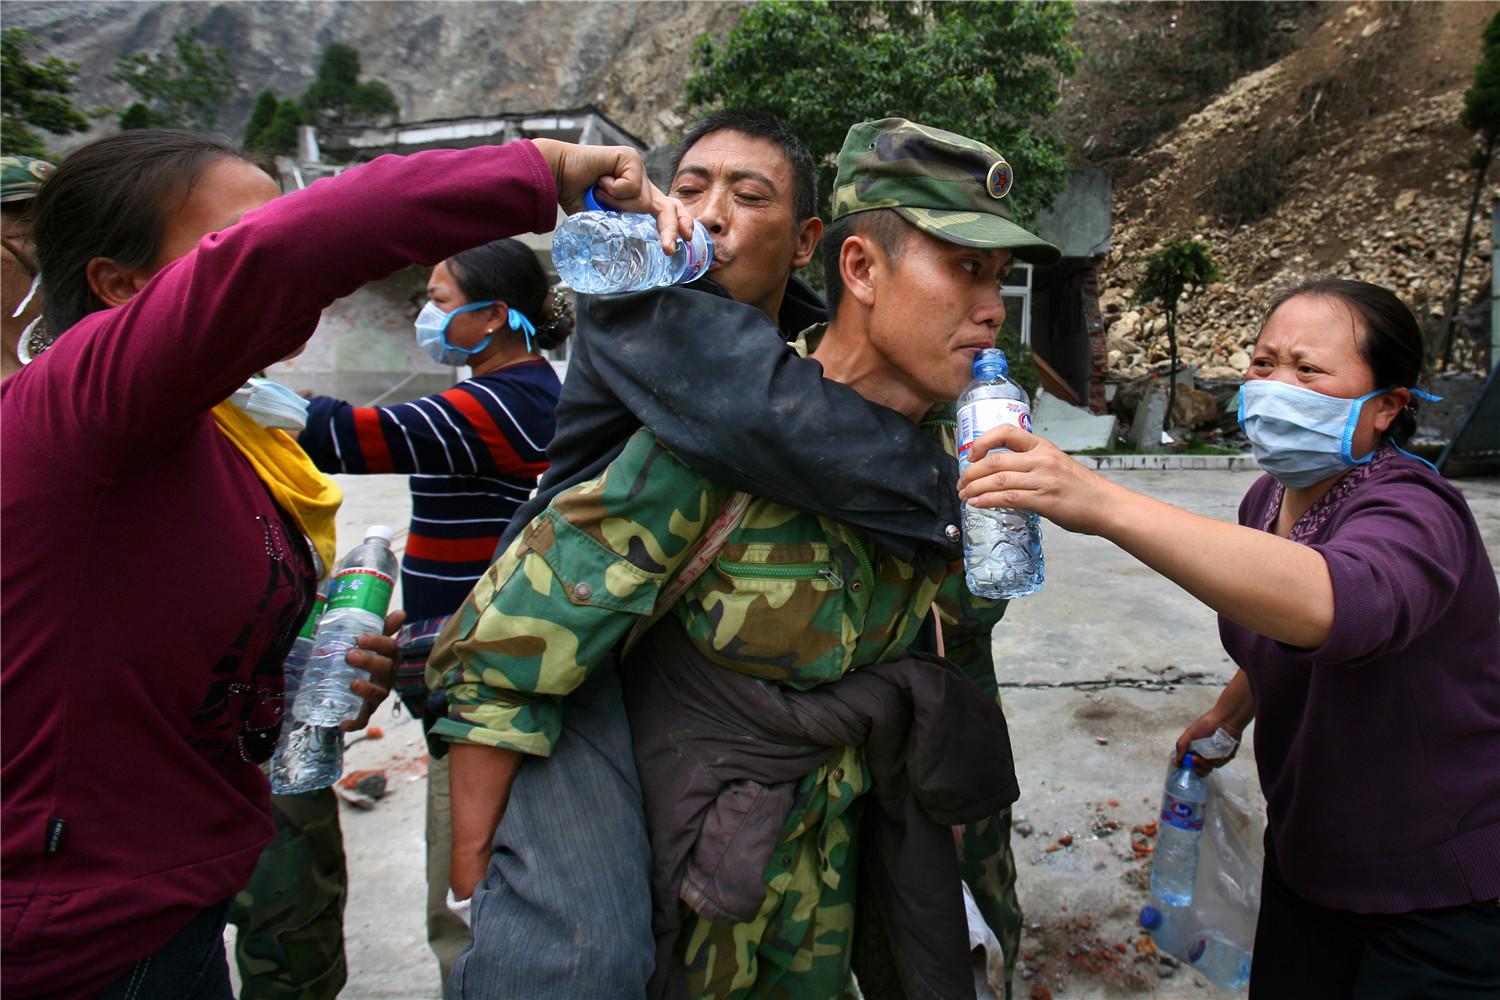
[[620, 174], [604, 251], [1009, 467], [358, 595], [378, 656], [1230, 715]]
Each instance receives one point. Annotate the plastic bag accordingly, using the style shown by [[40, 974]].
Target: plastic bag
[[1219, 746], [1226, 895]]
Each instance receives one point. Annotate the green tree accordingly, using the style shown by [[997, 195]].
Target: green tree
[[280, 136], [338, 96], [1481, 113], [1173, 273], [183, 87], [988, 70], [265, 110], [34, 95]]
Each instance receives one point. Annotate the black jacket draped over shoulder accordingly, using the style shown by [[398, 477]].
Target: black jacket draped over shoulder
[[713, 380]]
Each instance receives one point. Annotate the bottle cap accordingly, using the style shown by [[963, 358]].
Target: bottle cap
[[1150, 918], [990, 363], [592, 203], [379, 531], [1188, 760]]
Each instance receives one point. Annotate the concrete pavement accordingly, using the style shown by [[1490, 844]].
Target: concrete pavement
[[1101, 670]]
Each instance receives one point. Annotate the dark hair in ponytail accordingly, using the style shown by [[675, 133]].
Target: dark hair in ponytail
[[507, 271], [1392, 345], [111, 199]]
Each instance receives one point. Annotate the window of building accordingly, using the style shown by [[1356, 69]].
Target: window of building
[[1015, 290]]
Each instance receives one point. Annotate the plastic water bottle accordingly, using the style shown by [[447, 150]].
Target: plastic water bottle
[[306, 757], [358, 597], [1174, 930], [1002, 547], [1221, 960], [598, 252], [1183, 804]]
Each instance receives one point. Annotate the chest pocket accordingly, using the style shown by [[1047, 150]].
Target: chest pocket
[[783, 611], [761, 566]]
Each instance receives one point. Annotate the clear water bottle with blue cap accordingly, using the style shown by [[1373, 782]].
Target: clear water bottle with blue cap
[[1184, 804], [1002, 547], [601, 251]]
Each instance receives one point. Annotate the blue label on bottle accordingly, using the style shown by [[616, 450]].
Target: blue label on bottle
[[1181, 813]]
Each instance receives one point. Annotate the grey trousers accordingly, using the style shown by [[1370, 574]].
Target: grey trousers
[[564, 912]]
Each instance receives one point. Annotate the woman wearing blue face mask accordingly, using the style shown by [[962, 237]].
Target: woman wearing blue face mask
[[1357, 599], [473, 452]]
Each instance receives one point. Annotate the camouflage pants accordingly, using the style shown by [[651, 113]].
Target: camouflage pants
[[986, 863], [798, 946], [291, 915]]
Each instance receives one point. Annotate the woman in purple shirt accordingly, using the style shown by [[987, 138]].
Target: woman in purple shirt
[[1357, 599]]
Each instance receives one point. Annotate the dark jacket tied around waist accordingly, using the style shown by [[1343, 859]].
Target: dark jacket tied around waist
[[720, 753]]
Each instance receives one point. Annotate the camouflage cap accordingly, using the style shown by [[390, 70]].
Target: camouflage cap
[[21, 177], [946, 185]]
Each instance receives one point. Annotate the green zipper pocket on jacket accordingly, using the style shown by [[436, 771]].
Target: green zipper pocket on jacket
[[782, 571]]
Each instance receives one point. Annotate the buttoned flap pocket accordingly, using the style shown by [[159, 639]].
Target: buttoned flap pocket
[[589, 572]]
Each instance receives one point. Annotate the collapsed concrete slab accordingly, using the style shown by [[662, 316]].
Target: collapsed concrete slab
[[1071, 428]]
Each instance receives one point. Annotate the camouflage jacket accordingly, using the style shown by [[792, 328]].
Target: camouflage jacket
[[792, 597]]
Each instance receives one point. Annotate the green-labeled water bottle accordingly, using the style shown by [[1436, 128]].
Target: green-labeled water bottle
[[358, 596]]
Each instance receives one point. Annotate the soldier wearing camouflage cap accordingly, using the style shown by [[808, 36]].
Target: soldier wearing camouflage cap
[[791, 597], [21, 178], [921, 237], [948, 186]]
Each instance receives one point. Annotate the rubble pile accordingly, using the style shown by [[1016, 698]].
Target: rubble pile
[[1378, 194]]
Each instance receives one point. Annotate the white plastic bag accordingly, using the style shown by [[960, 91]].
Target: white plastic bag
[[1227, 894]]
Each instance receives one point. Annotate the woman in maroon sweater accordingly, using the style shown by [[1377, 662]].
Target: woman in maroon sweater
[[151, 585], [1357, 599]]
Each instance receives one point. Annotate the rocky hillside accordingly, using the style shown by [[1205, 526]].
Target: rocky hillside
[[442, 60], [1342, 154], [1344, 157]]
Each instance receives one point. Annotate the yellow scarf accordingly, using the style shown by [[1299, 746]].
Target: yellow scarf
[[311, 498]]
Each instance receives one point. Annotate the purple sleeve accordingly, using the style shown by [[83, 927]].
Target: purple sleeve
[[125, 382], [1397, 560]]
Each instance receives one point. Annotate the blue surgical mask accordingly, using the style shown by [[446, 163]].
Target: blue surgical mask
[[1301, 436], [271, 404], [432, 334]]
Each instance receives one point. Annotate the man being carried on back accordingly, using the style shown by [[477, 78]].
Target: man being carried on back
[[921, 239]]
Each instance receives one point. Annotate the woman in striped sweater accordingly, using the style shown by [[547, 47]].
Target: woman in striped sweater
[[474, 453]]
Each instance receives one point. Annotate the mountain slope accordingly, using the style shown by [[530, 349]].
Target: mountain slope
[[1351, 146]]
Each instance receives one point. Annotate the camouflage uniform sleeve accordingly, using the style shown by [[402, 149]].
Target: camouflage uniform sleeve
[[967, 623], [563, 594]]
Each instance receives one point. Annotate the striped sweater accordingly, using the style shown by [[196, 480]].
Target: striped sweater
[[473, 452]]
